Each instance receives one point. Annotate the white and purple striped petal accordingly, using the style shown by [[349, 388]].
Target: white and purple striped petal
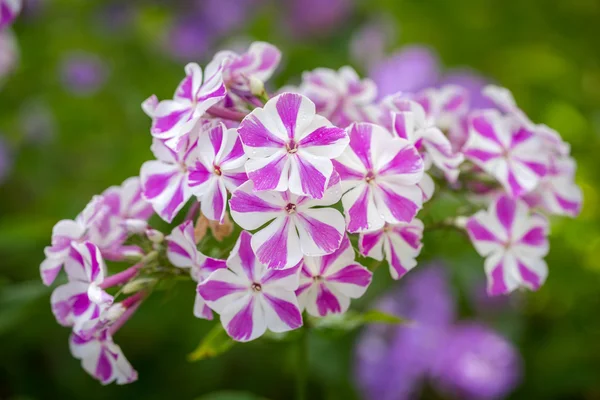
[[102, 358], [290, 147], [328, 283], [249, 298], [380, 175], [9, 9], [400, 244], [165, 180]]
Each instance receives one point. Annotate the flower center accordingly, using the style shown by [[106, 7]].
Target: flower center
[[317, 278], [217, 170], [290, 208], [256, 287], [292, 147], [370, 176]]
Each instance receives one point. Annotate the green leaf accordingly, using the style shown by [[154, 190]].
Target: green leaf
[[213, 344], [15, 302], [342, 323], [230, 395]]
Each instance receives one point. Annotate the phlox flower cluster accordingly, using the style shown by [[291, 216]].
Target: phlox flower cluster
[[312, 181]]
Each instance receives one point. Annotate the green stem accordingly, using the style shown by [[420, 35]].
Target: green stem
[[302, 364]]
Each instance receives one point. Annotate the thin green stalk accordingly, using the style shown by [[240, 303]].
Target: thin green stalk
[[302, 364]]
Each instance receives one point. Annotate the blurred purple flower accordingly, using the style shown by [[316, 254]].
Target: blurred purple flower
[[9, 53], [314, 17], [188, 39], [393, 362], [83, 73], [225, 15], [6, 160], [411, 69], [369, 43], [476, 363], [471, 81]]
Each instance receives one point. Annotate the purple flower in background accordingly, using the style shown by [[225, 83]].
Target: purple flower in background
[[476, 363], [83, 73], [225, 15], [187, 39], [409, 70], [369, 43], [393, 362], [9, 9], [5, 160], [473, 83], [312, 17]]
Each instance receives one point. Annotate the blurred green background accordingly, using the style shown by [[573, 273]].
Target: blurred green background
[[68, 146]]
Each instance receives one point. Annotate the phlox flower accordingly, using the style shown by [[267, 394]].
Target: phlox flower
[[327, 283], [173, 119], [218, 167], [506, 149], [9, 9], [340, 95], [259, 62], [64, 234], [514, 244], [290, 146], [183, 253], [410, 121], [379, 176], [297, 225], [80, 302], [102, 358], [400, 244], [165, 180], [251, 298], [121, 205]]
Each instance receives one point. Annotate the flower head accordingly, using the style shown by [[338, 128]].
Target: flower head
[[251, 298], [379, 176], [327, 283], [174, 119], [298, 225], [399, 243], [218, 168], [340, 95], [102, 358], [290, 146], [514, 244], [182, 252]]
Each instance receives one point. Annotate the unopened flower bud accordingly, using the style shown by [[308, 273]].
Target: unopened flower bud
[[460, 222], [257, 87], [136, 225], [155, 236], [114, 312], [137, 285]]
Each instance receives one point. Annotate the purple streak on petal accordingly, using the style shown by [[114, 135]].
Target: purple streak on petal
[[277, 274], [328, 259], [286, 311], [267, 177], [521, 136], [370, 240], [353, 273], [288, 106], [573, 207], [312, 180], [185, 88], [254, 134], [213, 264], [346, 173], [302, 288], [243, 202], [400, 124], [360, 143], [80, 303], [529, 276], [479, 232], [104, 367], [167, 122], [176, 200], [173, 247], [326, 237], [407, 161], [247, 256], [216, 137], [497, 286], [534, 237], [326, 301], [401, 208], [236, 152], [240, 326], [214, 290], [237, 179], [538, 168], [481, 155], [94, 262], [323, 136], [273, 251], [358, 213], [395, 261], [412, 238], [515, 187], [157, 183], [484, 128], [198, 174], [505, 212]]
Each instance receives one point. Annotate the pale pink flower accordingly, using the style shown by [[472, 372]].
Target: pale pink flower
[[327, 283], [251, 298]]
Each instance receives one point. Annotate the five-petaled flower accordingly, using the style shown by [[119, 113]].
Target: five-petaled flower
[[218, 168], [300, 225], [327, 283], [514, 244], [340, 95], [251, 298], [172, 120], [183, 253], [506, 149], [399, 243], [80, 302], [290, 146], [102, 358], [379, 176]]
